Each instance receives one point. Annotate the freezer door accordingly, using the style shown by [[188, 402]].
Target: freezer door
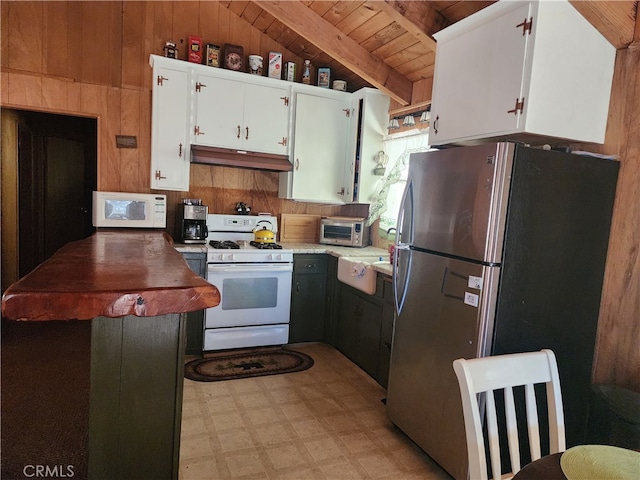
[[446, 315], [459, 198]]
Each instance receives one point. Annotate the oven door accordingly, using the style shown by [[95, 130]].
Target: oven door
[[251, 294]]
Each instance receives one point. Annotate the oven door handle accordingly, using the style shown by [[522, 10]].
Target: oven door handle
[[253, 268]]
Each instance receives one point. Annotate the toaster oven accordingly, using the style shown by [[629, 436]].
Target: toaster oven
[[346, 231]]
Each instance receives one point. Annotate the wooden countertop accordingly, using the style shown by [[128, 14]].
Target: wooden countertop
[[110, 274]]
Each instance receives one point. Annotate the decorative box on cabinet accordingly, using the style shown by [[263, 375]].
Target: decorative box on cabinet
[[529, 71], [170, 148], [320, 146], [308, 298], [195, 320], [241, 112], [370, 110]]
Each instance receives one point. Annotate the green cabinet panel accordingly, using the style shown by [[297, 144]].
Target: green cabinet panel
[[331, 303], [358, 326], [308, 292], [386, 331], [137, 368], [195, 320]]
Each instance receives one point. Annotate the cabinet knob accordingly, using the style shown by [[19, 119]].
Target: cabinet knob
[[180, 151], [247, 134], [283, 142], [310, 265], [285, 100], [238, 131], [196, 131], [341, 191], [435, 124], [159, 176], [199, 86], [160, 79], [297, 163]]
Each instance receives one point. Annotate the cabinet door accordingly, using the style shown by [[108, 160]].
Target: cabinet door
[[350, 313], [369, 338], [308, 298], [195, 320], [219, 112], [369, 126], [170, 149], [474, 89], [320, 148], [307, 314], [266, 119]]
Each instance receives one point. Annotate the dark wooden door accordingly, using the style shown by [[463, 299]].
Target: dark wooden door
[[66, 213]]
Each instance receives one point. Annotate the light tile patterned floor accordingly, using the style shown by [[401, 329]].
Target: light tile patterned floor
[[325, 423]]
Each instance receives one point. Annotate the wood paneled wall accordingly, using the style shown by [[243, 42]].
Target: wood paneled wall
[[91, 59]]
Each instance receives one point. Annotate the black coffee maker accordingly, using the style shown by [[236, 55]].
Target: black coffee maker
[[191, 221]]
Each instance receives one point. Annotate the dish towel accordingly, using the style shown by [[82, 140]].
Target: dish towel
[[358, 269]]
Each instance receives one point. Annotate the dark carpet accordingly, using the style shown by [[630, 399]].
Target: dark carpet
[[246, 363], [45, 399]]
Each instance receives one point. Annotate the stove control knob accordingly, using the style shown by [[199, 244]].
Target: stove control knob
[[221, 257], [231, 257]]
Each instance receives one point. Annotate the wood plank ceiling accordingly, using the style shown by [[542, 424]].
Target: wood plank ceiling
[[389, 44]]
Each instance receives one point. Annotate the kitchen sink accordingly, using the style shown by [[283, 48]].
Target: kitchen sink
[[359, 272]]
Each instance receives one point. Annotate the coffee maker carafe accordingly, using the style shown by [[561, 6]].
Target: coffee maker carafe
[[191, 221]]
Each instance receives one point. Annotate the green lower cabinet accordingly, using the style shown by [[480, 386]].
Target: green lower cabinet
[[195, 320], [386, 332], [358, 327], [331, 303], [135, 412], [308, 297]]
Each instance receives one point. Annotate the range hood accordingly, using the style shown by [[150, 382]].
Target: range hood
[[239, 158]]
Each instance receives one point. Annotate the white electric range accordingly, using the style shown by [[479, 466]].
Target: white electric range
[[254, 280]]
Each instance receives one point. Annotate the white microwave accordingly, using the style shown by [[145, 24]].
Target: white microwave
[[129, 210]]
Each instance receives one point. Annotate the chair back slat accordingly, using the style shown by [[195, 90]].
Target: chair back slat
[[512, 428], [492, 431], [479, 378], [533, 426]]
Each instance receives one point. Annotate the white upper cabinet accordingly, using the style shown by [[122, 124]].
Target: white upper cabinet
[[529, 71], [170, 149], [370, 111], [241, 113], [321, 144]]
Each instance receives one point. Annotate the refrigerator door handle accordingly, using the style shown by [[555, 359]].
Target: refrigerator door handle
[[403, 247], [399, 297]]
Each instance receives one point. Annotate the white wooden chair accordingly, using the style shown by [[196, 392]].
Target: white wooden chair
[[479, 377]]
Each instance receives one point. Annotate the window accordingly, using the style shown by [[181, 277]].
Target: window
[[398, 147]]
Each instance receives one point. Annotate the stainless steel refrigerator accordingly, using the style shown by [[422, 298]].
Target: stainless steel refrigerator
[[501, 249]]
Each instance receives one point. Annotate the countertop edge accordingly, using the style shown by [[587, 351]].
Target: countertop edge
[[314, 248]]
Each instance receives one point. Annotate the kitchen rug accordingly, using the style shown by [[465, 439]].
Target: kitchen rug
[[245, 364]]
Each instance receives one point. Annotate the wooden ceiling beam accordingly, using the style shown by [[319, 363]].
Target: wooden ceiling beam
[[420, 19], [614, 20], [336, 44]]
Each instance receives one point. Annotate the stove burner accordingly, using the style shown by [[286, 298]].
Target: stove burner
[[266, 246], [227, 244]]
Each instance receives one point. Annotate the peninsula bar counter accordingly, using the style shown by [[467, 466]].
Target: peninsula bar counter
[[135, 289]]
